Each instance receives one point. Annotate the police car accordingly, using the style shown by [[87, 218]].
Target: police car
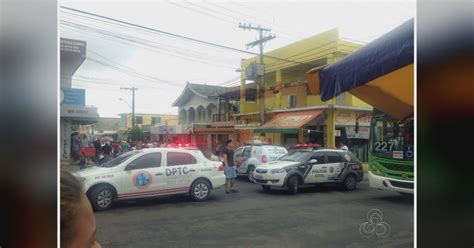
[[249, 156], [151, 172], [304, 167]]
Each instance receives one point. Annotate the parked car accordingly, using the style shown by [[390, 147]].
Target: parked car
[[152, 172], [248, 157], [303, 167], [309, 147]]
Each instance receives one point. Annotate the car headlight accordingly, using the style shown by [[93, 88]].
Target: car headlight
[[277, 171]]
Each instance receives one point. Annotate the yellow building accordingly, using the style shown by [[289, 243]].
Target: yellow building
[[143, 120], [291, 85]]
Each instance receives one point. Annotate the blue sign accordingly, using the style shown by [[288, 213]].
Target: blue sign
[[409, 152], [71, 96]]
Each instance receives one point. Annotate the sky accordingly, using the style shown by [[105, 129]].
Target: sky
[[160, 65]]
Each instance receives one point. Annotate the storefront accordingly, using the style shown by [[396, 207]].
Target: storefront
[[345, 131], [291, 128]]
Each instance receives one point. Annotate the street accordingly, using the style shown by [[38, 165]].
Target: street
[[324, 216]]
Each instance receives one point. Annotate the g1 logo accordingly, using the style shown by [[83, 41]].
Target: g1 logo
[[142, 179]]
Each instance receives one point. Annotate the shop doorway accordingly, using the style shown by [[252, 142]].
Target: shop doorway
[[290, 139]]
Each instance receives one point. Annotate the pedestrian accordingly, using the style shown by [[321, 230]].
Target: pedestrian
[[75, 144], [125, 146], [78, 225], [342, 146], [227, 154], [97, 146], [116, 148], [84, 141], [106, 151]]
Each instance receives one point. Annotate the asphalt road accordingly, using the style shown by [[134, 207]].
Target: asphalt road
[[315, 217]]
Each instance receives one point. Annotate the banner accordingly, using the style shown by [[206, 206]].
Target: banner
[[362, 134]]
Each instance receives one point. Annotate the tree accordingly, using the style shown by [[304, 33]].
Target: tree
[[134, 134]]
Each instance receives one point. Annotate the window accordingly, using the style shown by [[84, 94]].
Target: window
[[292, 101], [155, 120], [151, 160], [247, 152], [238, 152], [333, 157], [320, 157], [138, 119], [179, 158]]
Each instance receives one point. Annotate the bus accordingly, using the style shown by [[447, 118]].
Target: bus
[[391, 153], [381, 73]]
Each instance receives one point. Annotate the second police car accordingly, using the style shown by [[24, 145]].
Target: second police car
[[306, 167], [152, 172]]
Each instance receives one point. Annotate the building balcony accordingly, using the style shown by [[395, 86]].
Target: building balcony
[[223, 121]]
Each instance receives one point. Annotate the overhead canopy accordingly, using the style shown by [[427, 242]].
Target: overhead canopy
[[288, 122], [380, 73]]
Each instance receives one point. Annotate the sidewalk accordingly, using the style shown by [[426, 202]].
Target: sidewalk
[[71, 166]]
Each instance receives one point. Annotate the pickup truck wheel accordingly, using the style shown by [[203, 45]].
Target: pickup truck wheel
[[102, 198], [293, 185]]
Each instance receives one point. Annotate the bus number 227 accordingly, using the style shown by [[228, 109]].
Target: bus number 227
[[383, 146]]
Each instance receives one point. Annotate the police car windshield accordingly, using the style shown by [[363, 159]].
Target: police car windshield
[[295, 156], [118, 160]]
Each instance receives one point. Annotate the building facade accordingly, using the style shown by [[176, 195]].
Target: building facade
[[291, 88], [73, 108]]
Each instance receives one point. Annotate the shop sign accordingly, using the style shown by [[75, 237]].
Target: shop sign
[[71, 96], [338, 133], [346, 118], [73, 46], [78, 111], [247, 126], [362, 134]]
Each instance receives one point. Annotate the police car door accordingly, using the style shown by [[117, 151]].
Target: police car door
[[335, 164], [181, 168], [143, 176], [318, 170]]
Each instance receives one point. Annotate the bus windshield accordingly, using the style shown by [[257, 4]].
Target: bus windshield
[[391, 138]]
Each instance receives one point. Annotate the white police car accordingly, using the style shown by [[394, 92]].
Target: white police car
[[151, 172], [308, 167]]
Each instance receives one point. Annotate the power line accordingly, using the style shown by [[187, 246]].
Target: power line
[[137, 41], [255, 18], [183, 37]]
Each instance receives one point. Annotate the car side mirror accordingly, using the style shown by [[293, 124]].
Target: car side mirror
[[313, 161]]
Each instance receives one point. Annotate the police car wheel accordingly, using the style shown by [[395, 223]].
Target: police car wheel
[[266, 188], [200, 190], [102, 198], [293, 185], [350, 182], [250, 171]]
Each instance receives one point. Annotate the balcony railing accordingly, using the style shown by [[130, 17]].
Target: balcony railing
[[222, 120]]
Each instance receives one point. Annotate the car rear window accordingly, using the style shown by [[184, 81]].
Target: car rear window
[[334, 157]]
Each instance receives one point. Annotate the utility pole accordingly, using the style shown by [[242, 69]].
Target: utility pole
[[260, 42], [133, 89]]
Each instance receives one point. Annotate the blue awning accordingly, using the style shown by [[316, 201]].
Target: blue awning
[[384, 55]]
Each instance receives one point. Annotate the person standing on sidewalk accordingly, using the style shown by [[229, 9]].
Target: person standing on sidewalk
[[227, 154]]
